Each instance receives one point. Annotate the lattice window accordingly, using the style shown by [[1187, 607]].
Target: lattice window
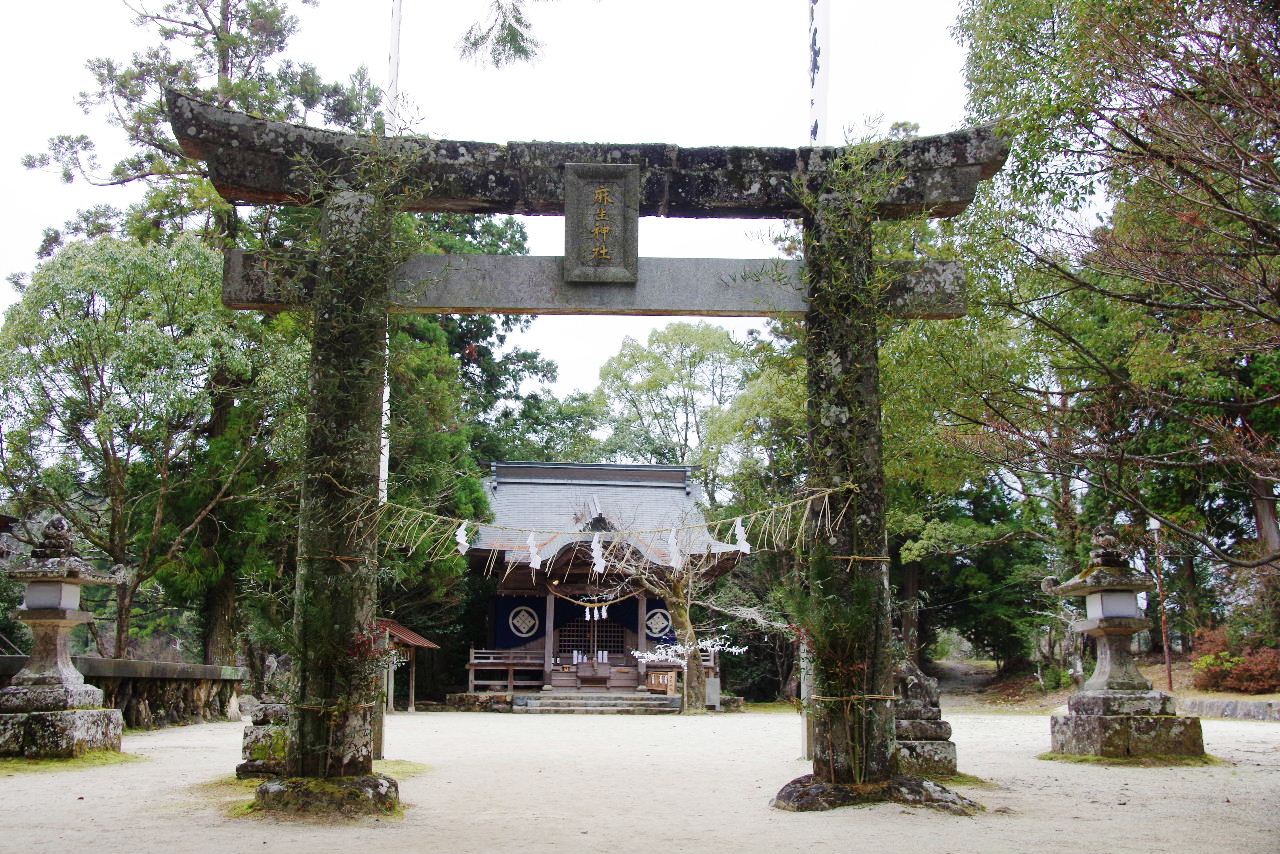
[[588, 637], [610, 637], [574, 635]]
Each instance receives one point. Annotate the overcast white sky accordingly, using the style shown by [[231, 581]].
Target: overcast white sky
[[693, 72]]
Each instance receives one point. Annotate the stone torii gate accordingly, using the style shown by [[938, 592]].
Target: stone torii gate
[[601, 189]]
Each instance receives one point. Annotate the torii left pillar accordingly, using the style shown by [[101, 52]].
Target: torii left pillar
[[336, 585]]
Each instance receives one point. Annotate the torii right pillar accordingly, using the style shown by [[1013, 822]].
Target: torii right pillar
[[847, 573]]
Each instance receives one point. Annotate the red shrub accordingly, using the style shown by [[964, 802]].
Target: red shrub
[[1211, 641], [1258, 672], [1212, 671]]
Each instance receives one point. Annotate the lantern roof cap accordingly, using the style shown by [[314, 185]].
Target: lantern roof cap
[[1107, 570]]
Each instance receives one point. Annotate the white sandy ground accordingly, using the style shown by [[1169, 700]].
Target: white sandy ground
[[515, 783]]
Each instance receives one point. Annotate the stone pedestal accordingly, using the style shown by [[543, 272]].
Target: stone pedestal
[[1116, 714], [48, 710], [924, 747], [60, 735], [1122, 724], [266, 742]]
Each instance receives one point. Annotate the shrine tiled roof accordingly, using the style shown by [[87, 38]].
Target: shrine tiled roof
[[560, 501]]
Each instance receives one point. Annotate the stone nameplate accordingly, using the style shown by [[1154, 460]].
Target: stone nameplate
[[601, 223]]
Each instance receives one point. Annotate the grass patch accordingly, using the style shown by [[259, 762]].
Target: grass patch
[[960, 779], [95, 759], [230, 794], [770, 708], [399, 769], [1136, 761]]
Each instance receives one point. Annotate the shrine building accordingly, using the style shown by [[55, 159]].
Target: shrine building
[[562, 619]]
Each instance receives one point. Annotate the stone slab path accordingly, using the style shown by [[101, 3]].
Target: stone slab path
[[624, 784]]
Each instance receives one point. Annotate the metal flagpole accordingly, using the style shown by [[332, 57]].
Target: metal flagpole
[[819, 75], [392, 110], [819, 69]]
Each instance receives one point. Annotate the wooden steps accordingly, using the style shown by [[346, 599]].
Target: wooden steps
[[582, 703]]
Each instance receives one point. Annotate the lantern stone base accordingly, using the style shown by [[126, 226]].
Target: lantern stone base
[[17, 699], [1124, 736], [927, 758], [1109, 703], [60, 734], [923, 747], [266, 742]]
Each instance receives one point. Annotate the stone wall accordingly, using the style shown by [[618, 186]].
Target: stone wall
[[1251, 710], [480, 702], [154, 694]]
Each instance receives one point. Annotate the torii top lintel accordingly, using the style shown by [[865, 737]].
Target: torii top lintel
[[255, 161]]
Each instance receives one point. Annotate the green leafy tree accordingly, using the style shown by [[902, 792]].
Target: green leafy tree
[[107, 399], [1157, 329], [665, 395], [228, 52]]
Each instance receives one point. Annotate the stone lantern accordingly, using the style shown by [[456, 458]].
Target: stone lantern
[[1116, 713], [48, 710]]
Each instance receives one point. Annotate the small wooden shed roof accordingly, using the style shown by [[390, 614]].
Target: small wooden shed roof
[[405, 636]]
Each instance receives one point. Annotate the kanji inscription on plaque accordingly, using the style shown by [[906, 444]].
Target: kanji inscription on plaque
[[601, 220]]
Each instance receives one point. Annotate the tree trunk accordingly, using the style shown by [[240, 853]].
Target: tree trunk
[[1190, 594], [336, 662], [846, 570], [695, 679], [219, 606], [911, 611], [1264, 516], [124, 617], [219, 610]]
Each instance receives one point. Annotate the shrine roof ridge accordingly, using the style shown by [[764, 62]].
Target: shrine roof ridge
[[620, 474], [256, 161], [557, 500]]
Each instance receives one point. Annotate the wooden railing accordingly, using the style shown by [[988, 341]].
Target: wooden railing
[[507, 662]]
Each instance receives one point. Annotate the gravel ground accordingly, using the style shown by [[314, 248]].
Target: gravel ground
[[523, 783]]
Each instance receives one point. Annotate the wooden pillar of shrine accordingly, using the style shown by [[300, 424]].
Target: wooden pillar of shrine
[[642, 632], [549, 639]]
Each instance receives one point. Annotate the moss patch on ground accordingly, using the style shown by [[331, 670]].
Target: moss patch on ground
[[236, 797], [961, 779], [770, 708], [230, 794], [1136, 761], [400, 769], [95, 759]]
